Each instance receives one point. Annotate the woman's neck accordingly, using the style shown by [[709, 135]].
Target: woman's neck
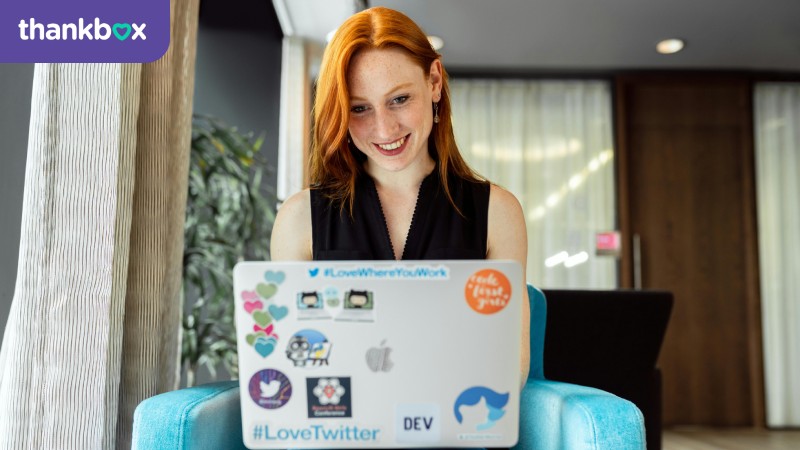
[[408, 178]]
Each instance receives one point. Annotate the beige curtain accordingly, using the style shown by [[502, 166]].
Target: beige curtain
[[95, 320], [550, 142], [777, 142]]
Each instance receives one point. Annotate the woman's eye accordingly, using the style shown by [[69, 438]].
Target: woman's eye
[[358, 109], [400, 100]]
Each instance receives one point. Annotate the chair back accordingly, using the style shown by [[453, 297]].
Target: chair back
[[538, 305]]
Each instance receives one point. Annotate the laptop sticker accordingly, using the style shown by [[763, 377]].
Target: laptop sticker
[[332, 296], [275, 277], [270, 388], [259, 304], [417, 423], [328, 397], [310, 306], [378, 358], [478, 409], [487, 291], [308, 348], [359, 306]]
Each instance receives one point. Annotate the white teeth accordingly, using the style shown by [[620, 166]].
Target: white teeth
[[393, 145]]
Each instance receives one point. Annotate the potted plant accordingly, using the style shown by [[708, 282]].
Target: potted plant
[[229, 218]]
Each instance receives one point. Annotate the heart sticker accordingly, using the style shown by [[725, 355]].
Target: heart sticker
[[274, 277], [266, 291], [266, 331], [262, 318], [252, 306], [249, 296], [251, 338], [265, 346], [278, 312]]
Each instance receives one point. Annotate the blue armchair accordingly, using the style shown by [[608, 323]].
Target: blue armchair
[[554, 415]]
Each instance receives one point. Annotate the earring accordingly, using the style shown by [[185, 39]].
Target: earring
[[436, 112]]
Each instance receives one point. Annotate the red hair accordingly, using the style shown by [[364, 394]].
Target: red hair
[[334, 165]]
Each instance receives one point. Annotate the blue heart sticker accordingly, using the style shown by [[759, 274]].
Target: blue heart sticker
[[278, 312], [265, 346], [274, 277]]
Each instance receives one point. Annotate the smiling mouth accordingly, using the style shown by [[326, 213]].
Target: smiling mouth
[[392, 145]]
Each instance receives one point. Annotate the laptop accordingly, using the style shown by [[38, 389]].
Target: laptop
[[379, 354]]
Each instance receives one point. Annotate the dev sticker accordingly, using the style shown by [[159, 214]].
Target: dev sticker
[[417, 423], [487, 291]]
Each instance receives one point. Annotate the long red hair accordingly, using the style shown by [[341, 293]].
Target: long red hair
[[334, 165]]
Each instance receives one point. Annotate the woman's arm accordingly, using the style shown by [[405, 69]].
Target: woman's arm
[[291, 234], [508, 239]]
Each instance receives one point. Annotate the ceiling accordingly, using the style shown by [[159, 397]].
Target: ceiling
[[592, 35]]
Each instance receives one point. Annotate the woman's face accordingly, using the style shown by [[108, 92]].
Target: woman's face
[[391, 107]]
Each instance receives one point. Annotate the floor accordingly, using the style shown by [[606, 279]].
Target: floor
[[736, 439]]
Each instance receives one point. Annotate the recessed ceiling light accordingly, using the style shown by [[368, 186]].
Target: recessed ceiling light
[[669, 46], [436, 42]]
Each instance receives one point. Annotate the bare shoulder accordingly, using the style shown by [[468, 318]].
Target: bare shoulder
[[507, 234], [291, 234]]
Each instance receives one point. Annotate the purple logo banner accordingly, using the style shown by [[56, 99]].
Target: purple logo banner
[[83, 31]]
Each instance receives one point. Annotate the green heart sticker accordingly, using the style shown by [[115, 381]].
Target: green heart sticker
[[262, 318], [251, 338], [266, 291], [121, 26]]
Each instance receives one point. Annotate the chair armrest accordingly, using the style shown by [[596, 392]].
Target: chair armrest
[[556, 415], [197, 418]]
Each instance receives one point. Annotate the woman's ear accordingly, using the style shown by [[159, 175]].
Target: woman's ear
[[435, 78]]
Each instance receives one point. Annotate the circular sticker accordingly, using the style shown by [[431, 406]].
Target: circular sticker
[[487, 291], [270, 389], [308, 348]]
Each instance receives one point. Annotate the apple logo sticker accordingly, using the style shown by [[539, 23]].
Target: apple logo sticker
[[378, 358]]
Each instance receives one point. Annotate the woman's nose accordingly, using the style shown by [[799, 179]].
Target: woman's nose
[[385, 123]]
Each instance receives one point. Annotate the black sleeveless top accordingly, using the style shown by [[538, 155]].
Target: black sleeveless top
[[437, 230]]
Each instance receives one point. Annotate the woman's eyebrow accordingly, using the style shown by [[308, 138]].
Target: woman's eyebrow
[[393, 91]]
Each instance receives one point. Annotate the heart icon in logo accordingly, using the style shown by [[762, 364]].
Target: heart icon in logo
[[121, 26], [266, 291], [274, 277], [251, 306], [249, 296], [262, 318], [278, 312], [265, 346]]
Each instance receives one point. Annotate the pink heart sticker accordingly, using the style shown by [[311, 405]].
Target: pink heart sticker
[[249, 296], [252, 306], [267, 330]]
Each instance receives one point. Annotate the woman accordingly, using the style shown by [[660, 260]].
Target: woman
[[388, 181]]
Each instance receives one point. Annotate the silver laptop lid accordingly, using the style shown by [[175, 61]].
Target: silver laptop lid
[[379, 354]]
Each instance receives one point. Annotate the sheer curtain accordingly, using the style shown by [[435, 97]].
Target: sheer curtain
[[299, 66], [551, 144], [96, 314], [777, 130]]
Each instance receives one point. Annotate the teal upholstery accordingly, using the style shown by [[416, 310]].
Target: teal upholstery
[[553, 416]]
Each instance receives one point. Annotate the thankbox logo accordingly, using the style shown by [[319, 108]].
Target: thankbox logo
[[85, 31], [80, 30]]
